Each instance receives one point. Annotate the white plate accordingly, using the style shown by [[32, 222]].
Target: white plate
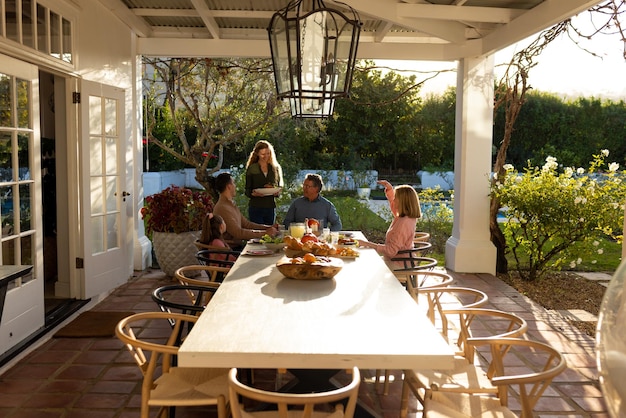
[[268, 191]]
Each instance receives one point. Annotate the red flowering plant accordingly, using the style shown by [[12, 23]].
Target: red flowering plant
[[176, 209]]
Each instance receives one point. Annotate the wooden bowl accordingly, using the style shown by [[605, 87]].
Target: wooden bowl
[[312, 271]]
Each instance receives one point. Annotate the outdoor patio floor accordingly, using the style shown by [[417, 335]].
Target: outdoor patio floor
[[96, 377]]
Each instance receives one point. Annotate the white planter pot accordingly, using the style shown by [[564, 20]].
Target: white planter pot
[[363, 192], [175, 250]]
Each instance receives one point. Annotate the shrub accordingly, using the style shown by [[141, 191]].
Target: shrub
[[437, 217], [549, 210]]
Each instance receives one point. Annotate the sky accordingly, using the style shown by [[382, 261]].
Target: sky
[[563, 68]]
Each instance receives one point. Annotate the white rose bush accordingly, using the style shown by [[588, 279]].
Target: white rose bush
[[550, 208]]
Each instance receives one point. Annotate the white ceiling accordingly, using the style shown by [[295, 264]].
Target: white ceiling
[[442, 30]]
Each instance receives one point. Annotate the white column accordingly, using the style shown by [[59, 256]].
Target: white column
[[142, 246], [469, 249]]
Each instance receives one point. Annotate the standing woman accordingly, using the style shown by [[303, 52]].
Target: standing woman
[[262, 170], [405, 207]]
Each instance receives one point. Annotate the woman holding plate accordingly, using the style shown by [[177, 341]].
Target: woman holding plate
[[264, 180]]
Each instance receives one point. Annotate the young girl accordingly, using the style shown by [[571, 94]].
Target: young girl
[[405, 207], [213, 226]]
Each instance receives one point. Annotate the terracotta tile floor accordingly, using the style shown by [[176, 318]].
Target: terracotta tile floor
[[95, 377]]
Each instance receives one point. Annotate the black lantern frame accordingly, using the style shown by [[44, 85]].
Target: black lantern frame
[[313, 55]]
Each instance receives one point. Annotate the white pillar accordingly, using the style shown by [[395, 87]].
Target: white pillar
[[469, 249], [142, 246]]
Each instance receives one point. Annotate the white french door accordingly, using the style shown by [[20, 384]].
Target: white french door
[[103, 210], [20, 199]]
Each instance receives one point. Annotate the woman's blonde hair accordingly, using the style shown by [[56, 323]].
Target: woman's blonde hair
[[407, 202], [254, 155]]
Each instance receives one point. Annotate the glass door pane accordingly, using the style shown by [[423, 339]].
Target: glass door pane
[[16, 182]]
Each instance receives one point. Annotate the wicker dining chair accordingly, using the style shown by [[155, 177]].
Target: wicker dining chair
[[165, 385], [439, 301], [414, 279], [198, 275], [176, 297], [541, 364], [217, 256], [468, 375], [295, 405], [421, 236], [417, 279]]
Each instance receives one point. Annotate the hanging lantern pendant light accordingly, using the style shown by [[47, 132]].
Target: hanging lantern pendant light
[[313, 55]]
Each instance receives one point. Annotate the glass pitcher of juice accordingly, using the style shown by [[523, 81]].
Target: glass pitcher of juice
[[297, 229]]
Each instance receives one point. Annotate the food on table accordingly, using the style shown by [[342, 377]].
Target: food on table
[[347, 252], [266, 239], [297, 247], [309, 267], [308, 258], [313, 223], [346, 241], [308, 237]]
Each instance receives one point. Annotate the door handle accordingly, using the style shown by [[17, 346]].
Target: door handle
[[124, 194]]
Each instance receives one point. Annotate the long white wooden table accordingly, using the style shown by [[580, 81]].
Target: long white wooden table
[[362, 317]]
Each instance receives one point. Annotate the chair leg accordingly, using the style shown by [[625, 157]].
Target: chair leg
[[222, 410], [385, 383], [404, 400], [377, 380]]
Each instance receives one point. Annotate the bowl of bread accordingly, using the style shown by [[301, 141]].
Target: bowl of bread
[[309, 267], [295, 247]]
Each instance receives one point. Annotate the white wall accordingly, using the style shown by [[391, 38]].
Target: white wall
[[154, 182], [105, 46]]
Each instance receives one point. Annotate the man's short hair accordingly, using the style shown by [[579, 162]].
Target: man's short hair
[[222, 181], [316, 179]]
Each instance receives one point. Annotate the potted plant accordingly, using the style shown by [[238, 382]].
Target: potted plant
[[173, 220], [362, 182]]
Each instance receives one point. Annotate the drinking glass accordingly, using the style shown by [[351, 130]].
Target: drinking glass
[[297, 229]]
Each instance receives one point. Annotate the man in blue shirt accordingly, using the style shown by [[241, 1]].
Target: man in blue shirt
[[313, 205]]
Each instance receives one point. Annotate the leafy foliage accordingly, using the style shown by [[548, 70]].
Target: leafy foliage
[[176, 209], [437, 217], [210, 105], [549, 210], [376, 125]]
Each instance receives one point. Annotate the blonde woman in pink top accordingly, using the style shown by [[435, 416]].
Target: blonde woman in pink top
[[405, 207]]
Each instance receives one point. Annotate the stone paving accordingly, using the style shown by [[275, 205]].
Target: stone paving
[[96, 378]]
